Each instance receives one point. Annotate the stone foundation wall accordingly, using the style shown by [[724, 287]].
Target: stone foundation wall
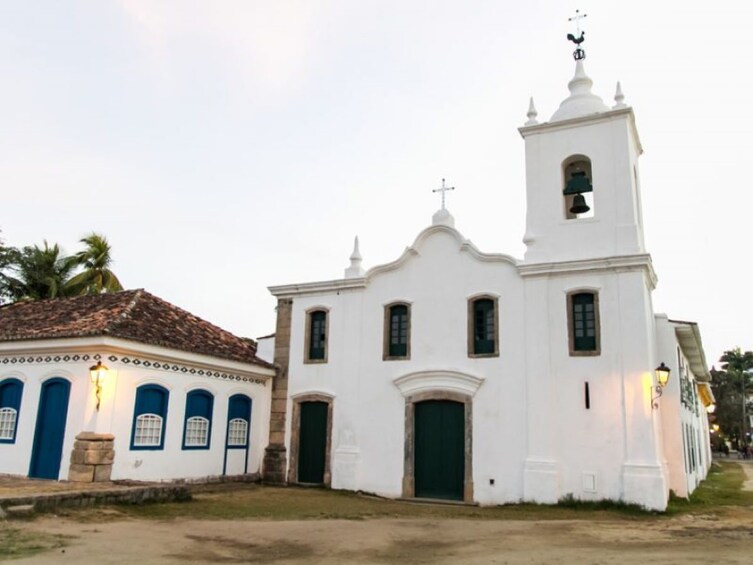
[[91, 458]]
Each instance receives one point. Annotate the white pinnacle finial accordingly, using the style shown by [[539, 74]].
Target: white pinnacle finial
[[581, 102], [619, 97], [355, 269], [532, 113]]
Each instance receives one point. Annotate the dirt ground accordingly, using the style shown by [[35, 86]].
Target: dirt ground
[[717, 534], [689, 539]]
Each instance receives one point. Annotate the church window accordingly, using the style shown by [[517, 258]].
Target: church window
[[577, 188], [397, 331], [482, 327], [583, 314], [10, 403], [316, 337], [198, 424], [149, 417], [239, 416], [588, 396]]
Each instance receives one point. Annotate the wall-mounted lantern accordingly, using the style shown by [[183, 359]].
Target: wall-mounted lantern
[[98, 373], [662, 378]]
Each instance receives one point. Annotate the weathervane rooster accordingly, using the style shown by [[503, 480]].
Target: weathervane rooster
[[580, 36], [577, 40]]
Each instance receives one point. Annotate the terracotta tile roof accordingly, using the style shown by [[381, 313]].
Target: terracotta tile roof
[[134, 315]]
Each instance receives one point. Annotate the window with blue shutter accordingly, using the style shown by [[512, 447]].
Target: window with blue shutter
[[239, 421], [197, 427], [149, 417], [10, 404]]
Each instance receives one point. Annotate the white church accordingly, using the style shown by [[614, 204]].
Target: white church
[[449, 373], [453, 373]]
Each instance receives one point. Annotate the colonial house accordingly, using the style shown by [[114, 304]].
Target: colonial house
[[460, 374], [127, 386]]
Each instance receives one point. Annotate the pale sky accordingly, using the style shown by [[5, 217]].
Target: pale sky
[[226, 146]]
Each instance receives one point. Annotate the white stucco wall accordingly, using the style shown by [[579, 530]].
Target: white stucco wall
[[684, 424], [531, 431], [115, 415]]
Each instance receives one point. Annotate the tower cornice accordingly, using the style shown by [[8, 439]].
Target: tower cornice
[[580, 121]]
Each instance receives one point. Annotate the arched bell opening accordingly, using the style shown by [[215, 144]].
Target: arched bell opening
[[577, 191]]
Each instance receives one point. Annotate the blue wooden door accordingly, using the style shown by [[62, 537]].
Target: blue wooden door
[[50, 429]]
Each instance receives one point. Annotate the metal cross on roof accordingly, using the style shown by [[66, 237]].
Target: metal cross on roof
[[443, 189], [577, 18]]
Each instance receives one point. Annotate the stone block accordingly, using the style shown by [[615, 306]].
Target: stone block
[[98, 457], [102, 473], [77, 457], [81, 473], [84, 445]]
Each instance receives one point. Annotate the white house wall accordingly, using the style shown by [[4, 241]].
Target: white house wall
[[679, 419], [116, 416]]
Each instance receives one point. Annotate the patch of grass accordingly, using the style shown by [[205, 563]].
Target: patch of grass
[[722, 488], [569, 501], [16, 543], [257, 502]]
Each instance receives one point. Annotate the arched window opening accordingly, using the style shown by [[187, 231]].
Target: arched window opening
[[10, 403], [239, 418], [578, 188], [198, 423], [149, 417]]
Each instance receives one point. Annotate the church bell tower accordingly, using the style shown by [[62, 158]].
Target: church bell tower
[[583, 196]]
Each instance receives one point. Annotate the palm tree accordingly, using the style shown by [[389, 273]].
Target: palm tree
[[36, 273], [738, 365], [96, 276]]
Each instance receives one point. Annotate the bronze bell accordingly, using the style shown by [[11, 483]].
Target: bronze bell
[[577, 184], [579, 205]]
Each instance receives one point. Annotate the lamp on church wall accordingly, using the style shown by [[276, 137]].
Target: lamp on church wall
[[662, 378], [98, 373]]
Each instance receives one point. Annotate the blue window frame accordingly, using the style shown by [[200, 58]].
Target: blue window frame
[[197, 427], [149, 417], [238, 421], [11, 391]]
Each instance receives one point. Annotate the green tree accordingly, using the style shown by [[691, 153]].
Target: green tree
[[727, 385], [35, 273], [95, 261]]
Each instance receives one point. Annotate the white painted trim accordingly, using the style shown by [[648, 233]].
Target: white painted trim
[[615, 114], [13, 375], [106, 345], [640, 261], [425, 381]]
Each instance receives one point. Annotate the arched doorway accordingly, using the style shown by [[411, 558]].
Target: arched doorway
[[50, 429]]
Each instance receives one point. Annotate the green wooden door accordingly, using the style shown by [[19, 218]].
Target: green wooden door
[[439, 451], [312, 443]]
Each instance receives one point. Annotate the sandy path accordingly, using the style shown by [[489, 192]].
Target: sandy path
[[683, 540]]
